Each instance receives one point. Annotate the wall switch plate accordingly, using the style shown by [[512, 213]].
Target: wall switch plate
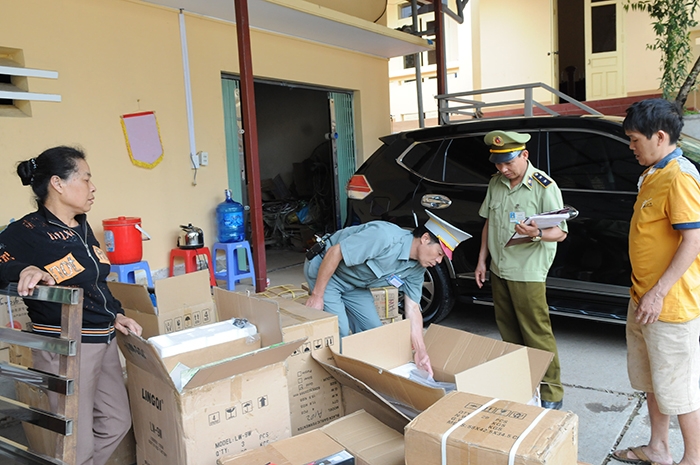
[[204, 158]]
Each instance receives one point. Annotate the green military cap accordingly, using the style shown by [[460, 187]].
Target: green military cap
[[505, 145]]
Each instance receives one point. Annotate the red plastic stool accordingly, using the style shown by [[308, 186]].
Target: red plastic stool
[[191, 259]]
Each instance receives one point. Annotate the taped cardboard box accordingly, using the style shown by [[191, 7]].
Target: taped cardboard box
[[286, 291], [367, 439], [231, 399], [485, 431], [183, 302], [474, 363], [386, 301], [388, 321]]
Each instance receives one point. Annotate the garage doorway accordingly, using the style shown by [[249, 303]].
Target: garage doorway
[[306, 145]]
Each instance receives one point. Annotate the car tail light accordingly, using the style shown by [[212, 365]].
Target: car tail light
[[358, 187]]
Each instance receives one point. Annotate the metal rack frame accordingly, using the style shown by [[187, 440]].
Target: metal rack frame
[[65, 383]]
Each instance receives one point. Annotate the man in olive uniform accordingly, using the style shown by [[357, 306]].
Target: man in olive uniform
[[518, 272]]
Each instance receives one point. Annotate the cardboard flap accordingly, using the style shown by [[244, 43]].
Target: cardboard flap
[[241, 364], [141, 353], [263, 313], [465, 350], [132, 296], [415, 395], [363, 346], [367, 438], [315, 445], [469, 350], [500, 373], [539, 364], [375, 403], [213, 354], [182, 291]]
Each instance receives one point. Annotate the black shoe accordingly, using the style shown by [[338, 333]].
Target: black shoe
[[552, 405]]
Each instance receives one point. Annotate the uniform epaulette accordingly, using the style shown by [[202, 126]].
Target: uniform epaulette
[[542, 179]]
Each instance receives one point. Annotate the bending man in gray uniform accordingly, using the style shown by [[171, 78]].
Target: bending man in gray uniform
[[378, 254]]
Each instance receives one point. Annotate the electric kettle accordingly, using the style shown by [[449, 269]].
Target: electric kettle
[[191, 237]]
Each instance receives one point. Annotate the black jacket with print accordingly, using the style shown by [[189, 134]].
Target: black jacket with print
[[74, 258]]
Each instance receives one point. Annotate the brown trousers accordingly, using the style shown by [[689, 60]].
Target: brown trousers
[[522, 316], [104, 416]]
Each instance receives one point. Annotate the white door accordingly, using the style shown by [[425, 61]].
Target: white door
[[604, 49]]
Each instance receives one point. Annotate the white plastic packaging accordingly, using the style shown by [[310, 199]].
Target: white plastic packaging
[[200, 337]]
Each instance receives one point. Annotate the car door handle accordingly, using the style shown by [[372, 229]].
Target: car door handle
[[436, 201]]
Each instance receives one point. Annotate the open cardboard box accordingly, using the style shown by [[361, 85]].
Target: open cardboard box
[[183, 302], [366, 438], [233, 396], [474, 363], [314, 395]]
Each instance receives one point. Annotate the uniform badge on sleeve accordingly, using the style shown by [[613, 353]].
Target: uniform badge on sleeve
[[542, 179]]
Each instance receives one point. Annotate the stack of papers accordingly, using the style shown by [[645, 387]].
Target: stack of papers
[[544, 221]]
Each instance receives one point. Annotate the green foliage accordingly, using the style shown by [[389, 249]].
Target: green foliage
[[672, 21]]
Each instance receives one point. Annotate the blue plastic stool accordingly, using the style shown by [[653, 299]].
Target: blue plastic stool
[[232, 274], [127, 273]]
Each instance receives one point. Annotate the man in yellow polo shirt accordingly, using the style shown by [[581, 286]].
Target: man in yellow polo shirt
[[663, 355], [518, 272]]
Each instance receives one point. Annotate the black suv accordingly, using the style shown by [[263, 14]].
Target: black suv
[[446, 169]]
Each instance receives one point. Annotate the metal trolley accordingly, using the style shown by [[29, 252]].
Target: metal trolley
[[65, 383]]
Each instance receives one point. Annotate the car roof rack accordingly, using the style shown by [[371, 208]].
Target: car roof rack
[[458, 107]]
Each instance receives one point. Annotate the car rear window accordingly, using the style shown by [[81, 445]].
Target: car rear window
[[463, 160]]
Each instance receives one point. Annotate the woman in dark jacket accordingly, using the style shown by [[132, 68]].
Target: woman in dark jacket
[[58, 239]]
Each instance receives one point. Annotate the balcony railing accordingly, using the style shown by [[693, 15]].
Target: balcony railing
[[466, 103]]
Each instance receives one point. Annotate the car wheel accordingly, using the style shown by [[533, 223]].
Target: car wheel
[[437, 299]]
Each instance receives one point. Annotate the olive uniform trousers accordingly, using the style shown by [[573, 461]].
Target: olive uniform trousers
[[522, 316]]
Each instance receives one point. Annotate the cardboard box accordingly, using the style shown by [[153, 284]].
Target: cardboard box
[[386, 301], [299, 450], [366, 438], [20, 315], [183, 302], [388, 321], [314, 395], [286, 291], [488, 436], [232, 399], [474, 363]]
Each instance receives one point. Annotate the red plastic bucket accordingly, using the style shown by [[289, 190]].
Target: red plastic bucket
[[123, 239]]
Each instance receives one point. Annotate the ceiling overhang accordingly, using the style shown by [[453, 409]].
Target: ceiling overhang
[[304, 20]]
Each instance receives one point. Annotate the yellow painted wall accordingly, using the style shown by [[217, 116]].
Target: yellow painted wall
[[116, 57], [513, 40], [641, 64]]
